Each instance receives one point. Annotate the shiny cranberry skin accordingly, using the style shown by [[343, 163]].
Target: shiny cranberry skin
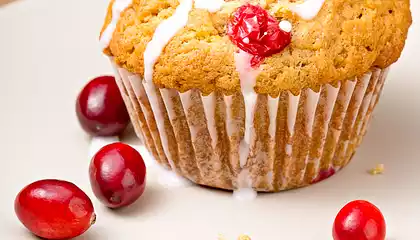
[[100, 108], [359, 220], [256, 32], [54, 209], [117, 175]]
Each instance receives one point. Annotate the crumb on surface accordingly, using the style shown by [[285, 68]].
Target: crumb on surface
[[379, 169], [244, 237]]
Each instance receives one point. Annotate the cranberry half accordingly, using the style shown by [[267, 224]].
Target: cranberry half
[[100, 108], [359, 220], [54, 209], [117, 175], [256, 32]]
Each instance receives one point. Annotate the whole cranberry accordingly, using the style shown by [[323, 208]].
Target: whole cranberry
[[359, 220], [100, 108], [54, 209], [117, 175]]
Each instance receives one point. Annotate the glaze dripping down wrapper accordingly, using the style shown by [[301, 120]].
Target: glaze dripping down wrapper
[[295, 140]]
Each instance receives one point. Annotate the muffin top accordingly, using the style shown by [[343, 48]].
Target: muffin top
[[342, 40]]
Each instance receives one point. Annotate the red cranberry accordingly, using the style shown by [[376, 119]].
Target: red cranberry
[[324, 174], [100, 108], [359, 220], [117, 175], [256, 32], [54, 209]]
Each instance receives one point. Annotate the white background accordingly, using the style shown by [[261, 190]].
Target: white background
[[49, 50]]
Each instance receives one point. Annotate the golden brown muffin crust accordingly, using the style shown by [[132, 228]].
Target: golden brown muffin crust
[[344, 40]]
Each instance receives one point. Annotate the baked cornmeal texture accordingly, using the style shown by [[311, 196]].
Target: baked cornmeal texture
[[345, 40]]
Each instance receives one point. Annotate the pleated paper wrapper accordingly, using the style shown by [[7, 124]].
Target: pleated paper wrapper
[[295, 140]]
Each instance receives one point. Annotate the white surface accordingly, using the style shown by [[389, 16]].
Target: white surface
[[49, 49], [97, 143]]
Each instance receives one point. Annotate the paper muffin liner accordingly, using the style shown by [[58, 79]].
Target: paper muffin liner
[[295, 140]]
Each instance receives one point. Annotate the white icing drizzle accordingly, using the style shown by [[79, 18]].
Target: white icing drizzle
[[163, 34], [150, 90], [248, 77], [285, 26], [209, 5], [309, 9], [244, 149], [209, 104], [99, 142], [117, 8], [245, 192]]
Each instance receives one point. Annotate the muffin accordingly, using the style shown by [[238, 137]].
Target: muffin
[[265, 95]]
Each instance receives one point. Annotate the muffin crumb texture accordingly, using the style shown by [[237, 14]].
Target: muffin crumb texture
[[344, 40]]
